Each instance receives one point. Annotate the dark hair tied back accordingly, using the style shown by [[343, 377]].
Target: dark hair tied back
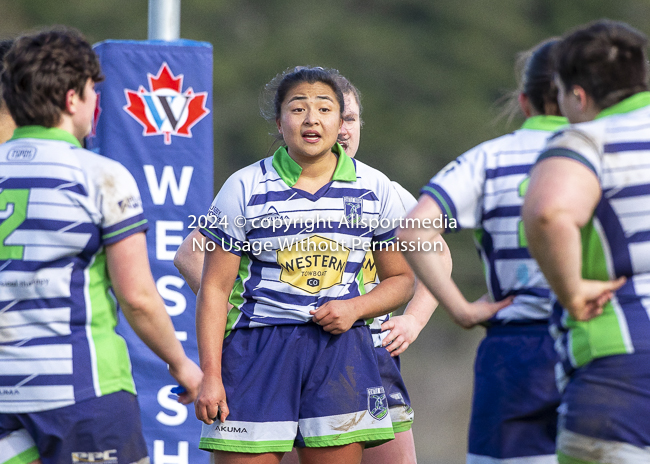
[[538, 83], [535, 78], [606, 58]]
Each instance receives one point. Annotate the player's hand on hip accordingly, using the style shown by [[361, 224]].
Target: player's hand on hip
[[189, 376], [591, 297], [479, 311], [336, 316], [403, 330], [210, 404]]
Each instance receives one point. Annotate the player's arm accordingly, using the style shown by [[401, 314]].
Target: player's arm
[[394, 289], [189, 259], [561, 198], [404, 329], [218, 277], [430, 268], [134, 287]]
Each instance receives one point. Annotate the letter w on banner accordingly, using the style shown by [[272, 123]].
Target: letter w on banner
[[154, 115]]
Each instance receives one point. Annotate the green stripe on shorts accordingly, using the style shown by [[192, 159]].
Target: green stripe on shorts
[[241, 446], [402, 426], [566, 459], [26, 457], [373, 436]]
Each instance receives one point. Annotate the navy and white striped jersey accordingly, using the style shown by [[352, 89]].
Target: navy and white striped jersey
[[60, 205], [484, 189], [316, 250], [616, 242]]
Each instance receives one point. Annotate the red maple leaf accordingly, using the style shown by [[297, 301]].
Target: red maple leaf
[[96, 114], [165, 80], [136, 109], [195, 111]]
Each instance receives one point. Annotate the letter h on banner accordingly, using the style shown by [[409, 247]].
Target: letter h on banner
[[154, 115]]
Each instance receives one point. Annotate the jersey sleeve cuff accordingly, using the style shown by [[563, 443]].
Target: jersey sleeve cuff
[[566, 153], [443, 200], [387, 237], [222, 239], [123, 229]]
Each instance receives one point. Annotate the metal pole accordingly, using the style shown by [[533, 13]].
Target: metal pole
[[164, 19]]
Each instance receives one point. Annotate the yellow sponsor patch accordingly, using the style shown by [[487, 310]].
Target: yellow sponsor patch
[[313, 264], [369, 268]]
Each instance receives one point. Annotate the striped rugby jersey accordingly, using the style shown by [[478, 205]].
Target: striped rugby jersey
[[370, 278], [316, 252], [60, 205], [484, 189], [616, 242]]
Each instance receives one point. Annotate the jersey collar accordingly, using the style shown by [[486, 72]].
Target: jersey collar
[[289, 170], [47, 133], [636, 101], [544, 123]]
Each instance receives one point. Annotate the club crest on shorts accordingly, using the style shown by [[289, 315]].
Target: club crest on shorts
[[165, 109], [353, 207], [377, 403]]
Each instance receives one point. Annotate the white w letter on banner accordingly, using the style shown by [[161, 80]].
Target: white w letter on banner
[[168, 181]]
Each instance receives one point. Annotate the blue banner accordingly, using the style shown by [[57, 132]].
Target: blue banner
[[154, 115]]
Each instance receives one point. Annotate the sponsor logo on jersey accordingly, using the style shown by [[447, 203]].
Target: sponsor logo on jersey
[[273, 213], [369, 269], [377, 403], [9, 391], [104, 457], [21, 154], [313, 264], [165, 109], [353, 208], [214, 211], [131, 202]]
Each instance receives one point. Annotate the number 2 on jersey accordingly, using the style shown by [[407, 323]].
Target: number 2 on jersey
[[13, 211]]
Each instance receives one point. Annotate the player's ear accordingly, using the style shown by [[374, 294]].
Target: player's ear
[[279, 124], [581, 96], [524, 104], [71, 100]]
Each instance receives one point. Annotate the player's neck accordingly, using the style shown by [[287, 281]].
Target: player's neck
[[7, 126], [67, 124], [316, 173]]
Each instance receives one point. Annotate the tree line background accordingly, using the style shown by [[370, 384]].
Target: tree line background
[[431, 74]]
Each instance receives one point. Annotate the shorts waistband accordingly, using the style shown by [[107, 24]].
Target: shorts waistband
[[530, 327]]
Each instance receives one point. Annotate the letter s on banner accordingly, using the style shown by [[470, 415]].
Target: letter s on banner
[[180, 303], [168, 403]]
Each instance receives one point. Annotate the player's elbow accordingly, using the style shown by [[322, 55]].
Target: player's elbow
[[139, 300], [539, 212], [409, 286], [179, 260], [409, 235]]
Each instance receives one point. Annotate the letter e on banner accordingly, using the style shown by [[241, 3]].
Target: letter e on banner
[[163, 240]]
